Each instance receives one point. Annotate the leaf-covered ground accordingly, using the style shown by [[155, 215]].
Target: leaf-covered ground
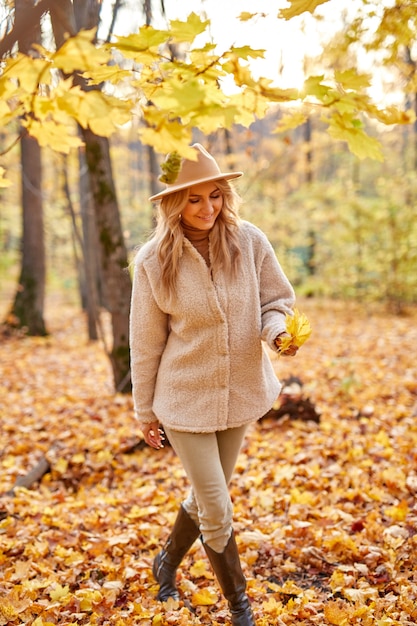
[[325, 514]]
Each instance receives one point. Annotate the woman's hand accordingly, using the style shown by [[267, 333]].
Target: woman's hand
[[292, 348], [152, 434]]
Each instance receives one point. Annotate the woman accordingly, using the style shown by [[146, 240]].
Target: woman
[[207, 291]]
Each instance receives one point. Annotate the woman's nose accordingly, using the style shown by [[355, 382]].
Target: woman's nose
[[208, 205]]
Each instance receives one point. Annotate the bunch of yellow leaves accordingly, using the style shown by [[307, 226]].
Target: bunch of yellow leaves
[[298, 329]]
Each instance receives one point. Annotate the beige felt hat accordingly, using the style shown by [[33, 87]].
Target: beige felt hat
[[191, 173]]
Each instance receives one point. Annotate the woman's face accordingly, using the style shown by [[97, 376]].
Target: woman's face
[[203, 206]]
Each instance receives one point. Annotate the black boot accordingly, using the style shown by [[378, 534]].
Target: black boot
[[229, 573], [182, 537]]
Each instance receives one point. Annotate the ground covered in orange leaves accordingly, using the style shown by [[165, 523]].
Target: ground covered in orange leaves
[[325, 513]]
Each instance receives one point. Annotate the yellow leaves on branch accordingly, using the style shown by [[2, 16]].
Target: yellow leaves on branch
[[346, 128], [174, 94], [299, 329], [343, 100]]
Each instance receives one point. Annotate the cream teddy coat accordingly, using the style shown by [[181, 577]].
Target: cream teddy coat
[[198, 363]]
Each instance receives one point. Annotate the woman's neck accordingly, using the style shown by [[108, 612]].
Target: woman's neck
[[199, 239]]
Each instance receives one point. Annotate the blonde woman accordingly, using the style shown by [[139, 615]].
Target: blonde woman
[[207, 292]]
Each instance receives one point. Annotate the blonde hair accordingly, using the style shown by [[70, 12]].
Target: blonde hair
[[225, 250]]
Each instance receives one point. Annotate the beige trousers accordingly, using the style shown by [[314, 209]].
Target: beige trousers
[[208, 460]]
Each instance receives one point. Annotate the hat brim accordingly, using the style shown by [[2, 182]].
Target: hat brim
[[206, 179]]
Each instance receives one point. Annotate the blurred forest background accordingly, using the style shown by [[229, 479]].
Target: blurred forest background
[[325, 488], [343, 227]]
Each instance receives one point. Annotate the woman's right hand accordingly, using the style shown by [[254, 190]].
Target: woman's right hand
[[152, 434]]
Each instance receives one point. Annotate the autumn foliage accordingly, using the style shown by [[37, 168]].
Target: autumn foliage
[[325, 512]]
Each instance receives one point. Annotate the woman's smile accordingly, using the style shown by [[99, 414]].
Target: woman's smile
[[203, 206]]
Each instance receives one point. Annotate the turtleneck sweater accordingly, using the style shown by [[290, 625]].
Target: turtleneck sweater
[[199, 239]]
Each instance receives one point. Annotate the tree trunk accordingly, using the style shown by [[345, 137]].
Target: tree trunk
[[90, 246], [116, 279], [66, 18], [28, 307]]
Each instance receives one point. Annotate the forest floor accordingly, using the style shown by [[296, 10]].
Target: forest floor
[[325, 513]]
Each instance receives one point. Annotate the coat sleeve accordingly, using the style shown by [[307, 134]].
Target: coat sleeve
[[276, 295], [149, 328]]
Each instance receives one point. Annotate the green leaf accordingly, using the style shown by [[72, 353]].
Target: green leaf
[[300, 6]]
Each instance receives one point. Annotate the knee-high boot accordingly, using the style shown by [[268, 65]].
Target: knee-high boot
[[226, 566], [166, 562]]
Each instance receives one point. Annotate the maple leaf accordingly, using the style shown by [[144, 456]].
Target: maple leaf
[[58, 593], [168, 136], [288, 122], [200, 568], [345, 128], [28, 71], [351, 79], [300, 6], [298, 328], [56, 136], [337, 614], [79, 53], [204, 597], [187, 31], [246, 52]]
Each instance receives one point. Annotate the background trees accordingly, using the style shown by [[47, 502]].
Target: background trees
[[340, 217]]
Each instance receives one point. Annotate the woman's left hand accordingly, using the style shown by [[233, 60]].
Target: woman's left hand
[[292, 348]]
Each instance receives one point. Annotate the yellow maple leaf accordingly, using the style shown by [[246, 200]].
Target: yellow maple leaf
[[298, 328], [30, 72], [88, 598], [300, 6], [7, 610], [59, 592], [187, 31], [398, 513], [200, 568], [204, 597], [337, 614], [348, 129], [290, 121], [350, 79], [56, 136], [168, 138], [272, 607], [80, 53]]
